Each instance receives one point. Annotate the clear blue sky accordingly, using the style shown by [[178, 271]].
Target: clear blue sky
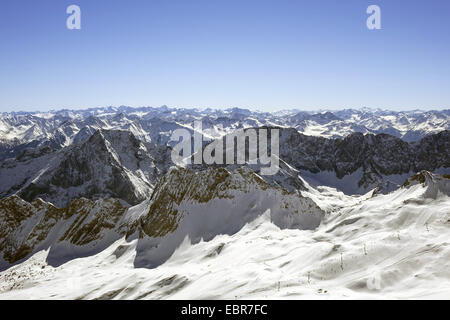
[[218, 53]]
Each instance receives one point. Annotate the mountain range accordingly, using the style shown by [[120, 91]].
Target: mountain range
[[78, 185], [57, 129]]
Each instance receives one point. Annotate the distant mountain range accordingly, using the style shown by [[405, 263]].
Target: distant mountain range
[[58, 129]]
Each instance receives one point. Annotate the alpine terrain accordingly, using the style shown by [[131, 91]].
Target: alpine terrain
[[93, 206]]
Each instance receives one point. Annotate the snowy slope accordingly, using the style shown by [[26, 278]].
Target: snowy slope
[[91, 206], [204, 204], [200, 205], [376, 247]]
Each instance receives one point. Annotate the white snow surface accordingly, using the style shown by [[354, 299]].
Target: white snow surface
[[377, 247]]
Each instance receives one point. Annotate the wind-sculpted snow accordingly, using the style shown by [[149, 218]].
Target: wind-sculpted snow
[[372, 246], [198, 205]]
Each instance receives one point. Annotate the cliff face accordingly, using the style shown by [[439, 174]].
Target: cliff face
[[357, 163], [375, 156], [109, 164], [115, 164], [198, 205], [27, 227], [182, 190], [384, 153]]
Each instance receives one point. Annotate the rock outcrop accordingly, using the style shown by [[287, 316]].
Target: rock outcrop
[[185, 203]]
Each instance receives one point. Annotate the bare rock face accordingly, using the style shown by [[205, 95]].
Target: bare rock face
[[27, 227], [384, 153], [185, 203], [376, 156], [182, 189], [109, 164], [378, 161], [202, 204]]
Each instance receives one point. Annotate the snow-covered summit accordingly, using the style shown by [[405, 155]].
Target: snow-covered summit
[[19, 130]]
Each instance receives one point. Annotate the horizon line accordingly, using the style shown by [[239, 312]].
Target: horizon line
[[215, 109]]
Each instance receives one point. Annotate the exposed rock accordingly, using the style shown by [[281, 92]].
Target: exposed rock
[[109, 164], [29, 227], [434, 184], [377, 156], [198, 205]]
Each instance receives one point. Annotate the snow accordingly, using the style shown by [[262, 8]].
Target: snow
[[152, 124], [226, 216], [385, 246], [349, 183], [246, 245]]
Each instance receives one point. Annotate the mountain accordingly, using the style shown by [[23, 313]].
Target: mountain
[[372, 246], [355, 164], [198, 205], [359, 163], [92, 206], [115, 164], [110, 163], [58, 129], [204, 204]]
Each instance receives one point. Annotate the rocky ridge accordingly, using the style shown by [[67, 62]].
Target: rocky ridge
[[180, 201]]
